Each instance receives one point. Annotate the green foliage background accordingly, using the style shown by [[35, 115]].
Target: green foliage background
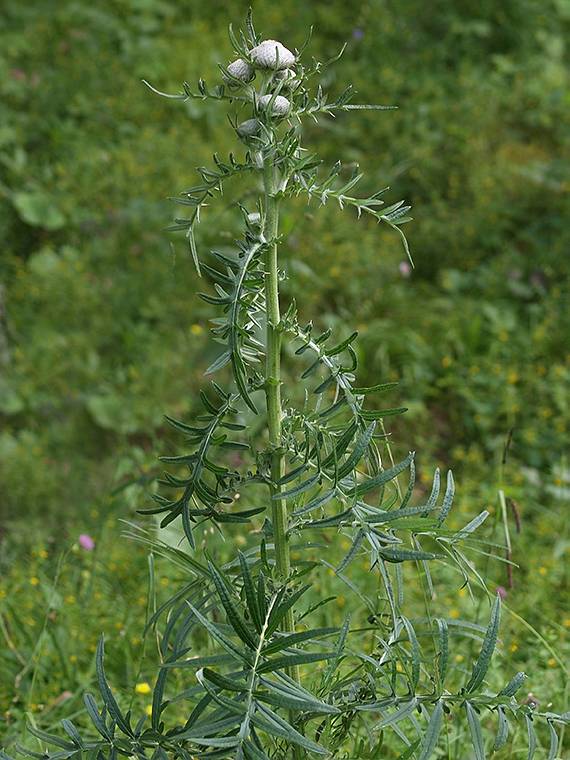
[[100, 332]]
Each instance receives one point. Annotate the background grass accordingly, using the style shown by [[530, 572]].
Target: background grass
[[100, 332]]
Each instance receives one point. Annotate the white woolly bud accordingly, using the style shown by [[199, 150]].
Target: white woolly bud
[[249, 128], [254, 218], [241, 70], [288, 78], [271, 54], [280, 105]]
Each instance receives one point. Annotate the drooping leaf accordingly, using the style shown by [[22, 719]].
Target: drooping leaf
[[502, 730], [475, 731], [443, 653], [107, 694], [532, 742], [488, 647], [397, 715], [554, 741], [237, 652], [273, 724], [433, 729], [234, 618]]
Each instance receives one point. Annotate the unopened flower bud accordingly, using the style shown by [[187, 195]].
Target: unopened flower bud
[[241, 70], [280, 106], [271, 54], [289, 79], [249, 128], [254, 218]]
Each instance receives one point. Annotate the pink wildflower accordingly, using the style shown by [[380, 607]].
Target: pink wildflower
[[86, 542]]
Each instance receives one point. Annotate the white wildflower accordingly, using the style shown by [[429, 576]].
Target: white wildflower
[[280, 107], [271, 54], [241, 70]]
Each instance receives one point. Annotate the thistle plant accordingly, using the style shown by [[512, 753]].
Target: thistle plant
[[270, 683]]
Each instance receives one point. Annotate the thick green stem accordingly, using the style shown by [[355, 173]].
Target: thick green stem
[[279, 516], [273, 380]]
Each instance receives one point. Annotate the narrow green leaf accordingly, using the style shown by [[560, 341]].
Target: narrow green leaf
[[374, 389], [318, 501], [470, 527], [286, 663], [284, 696], [306, 485], [222, 682], [250, 594], [410, 751], [221, 361], [279, 611], [488, 647], [475, 731], [223, 640], [338, 650], [273, 724], [502, 730], [447, 499], [443, 653], [340, 347], [51, 739], [360, 449], [415, 649], [411, 484], [234, 618], [403, 555], [379, 414], [286, 641], [431, 735], [352, 552], [397, 715], [513, 685], [107, 694], [72, 732], [531, 737], [553, 750], [96, 719], [157, 704], [382, 477]]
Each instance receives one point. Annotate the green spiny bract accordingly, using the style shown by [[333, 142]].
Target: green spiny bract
[[272, 686]]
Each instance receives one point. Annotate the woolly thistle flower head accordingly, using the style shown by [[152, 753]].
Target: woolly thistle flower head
[[287, 78], [239, 69], [279, 105], [271, 54], [249, 128]]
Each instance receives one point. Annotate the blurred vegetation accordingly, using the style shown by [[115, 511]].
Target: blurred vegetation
[[100, 334]]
